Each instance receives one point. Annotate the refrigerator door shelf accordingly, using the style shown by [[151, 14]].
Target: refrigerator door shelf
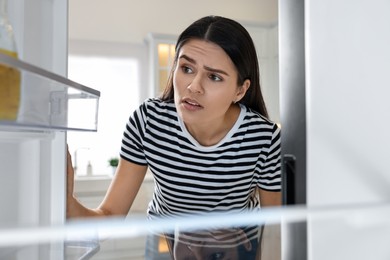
[[33, 98], [9, 135]]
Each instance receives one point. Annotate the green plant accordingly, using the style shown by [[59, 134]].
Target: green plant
[[113, 162]]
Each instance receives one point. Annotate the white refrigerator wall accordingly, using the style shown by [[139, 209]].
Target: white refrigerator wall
[[347, 103], [32, 163], [347, 83]]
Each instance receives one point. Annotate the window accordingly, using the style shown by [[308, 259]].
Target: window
[[162, 54], [118, 81], [165, 55]]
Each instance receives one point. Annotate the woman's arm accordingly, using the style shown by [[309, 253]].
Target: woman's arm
[[119, 197], [270, 198], [270, 234], [124, 188]]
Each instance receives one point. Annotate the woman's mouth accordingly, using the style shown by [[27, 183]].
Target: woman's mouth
[[191, 105]]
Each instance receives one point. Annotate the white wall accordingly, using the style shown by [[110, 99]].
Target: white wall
[[266, 41], [129, 21], [138, 51]]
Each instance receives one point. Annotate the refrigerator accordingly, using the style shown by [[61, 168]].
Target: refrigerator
[[334, 90], [33, 142]]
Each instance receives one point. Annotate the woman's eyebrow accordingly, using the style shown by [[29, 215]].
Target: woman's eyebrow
[[191, 60], [216, 70], [187, 58]]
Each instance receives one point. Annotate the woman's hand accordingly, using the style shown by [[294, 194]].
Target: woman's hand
[[70, 199], [70, 176], [125, 184]]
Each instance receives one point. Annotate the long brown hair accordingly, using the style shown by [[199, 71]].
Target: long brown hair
[[235, 40]]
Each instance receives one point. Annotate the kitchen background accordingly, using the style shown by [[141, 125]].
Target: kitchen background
[[113, 47], [334, 60]]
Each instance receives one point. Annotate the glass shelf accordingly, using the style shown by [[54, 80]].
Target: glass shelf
[[36, 99], [336, 232]]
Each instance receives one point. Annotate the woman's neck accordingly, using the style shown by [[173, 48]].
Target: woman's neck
[[211, 133]]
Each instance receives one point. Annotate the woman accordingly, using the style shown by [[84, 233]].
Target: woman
[[206, 140]]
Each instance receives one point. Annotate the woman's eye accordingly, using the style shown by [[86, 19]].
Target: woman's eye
[[186, 69], [217, 256], [214, 77]]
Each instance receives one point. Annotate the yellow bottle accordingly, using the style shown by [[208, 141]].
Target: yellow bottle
[[9, 77]]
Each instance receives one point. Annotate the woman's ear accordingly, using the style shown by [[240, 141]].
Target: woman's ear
[[242, 90]]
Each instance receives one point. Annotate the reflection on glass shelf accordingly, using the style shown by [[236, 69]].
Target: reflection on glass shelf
[[79, 249], [39, 99], [340, 232]]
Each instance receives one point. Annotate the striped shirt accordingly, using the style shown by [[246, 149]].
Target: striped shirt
[[191, 178]]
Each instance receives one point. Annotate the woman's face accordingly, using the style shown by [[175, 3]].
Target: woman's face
[[205, 83]]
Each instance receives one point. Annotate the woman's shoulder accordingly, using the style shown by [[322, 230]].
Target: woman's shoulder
[[255, 122], [157, 107], [255, 117], [154, 103], [157, 102]]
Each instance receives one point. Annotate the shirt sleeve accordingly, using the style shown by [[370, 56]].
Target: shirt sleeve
[[270, 176], [132, 148]]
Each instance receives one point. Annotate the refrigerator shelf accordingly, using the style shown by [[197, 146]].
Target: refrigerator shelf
[[9, 135], [32, 98]]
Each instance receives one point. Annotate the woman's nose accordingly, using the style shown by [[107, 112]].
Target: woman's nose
[[195, 85]]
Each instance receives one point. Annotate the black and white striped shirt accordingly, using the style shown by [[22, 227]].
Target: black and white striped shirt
[[191, 178]]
